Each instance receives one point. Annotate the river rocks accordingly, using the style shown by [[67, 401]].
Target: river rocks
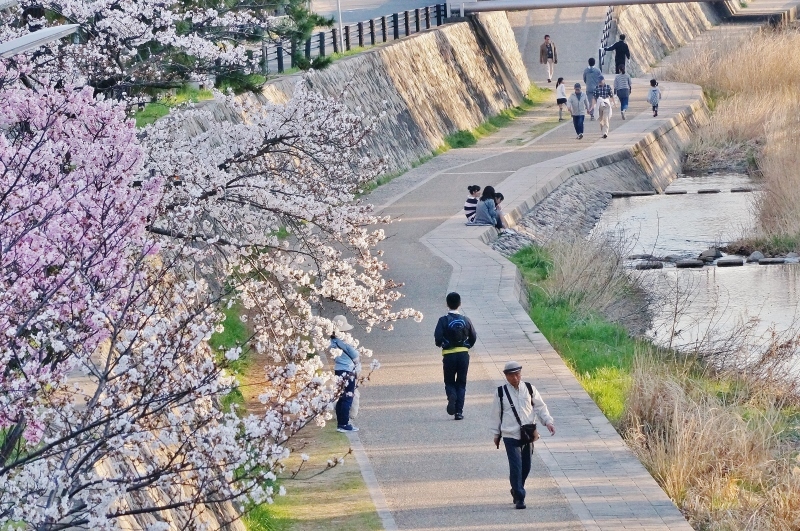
[[709, 191], [710, 254], [771, 261], [675, 192], [741, 189], [685, 264], [641, 257], [730, 261], [755, 256], [650, 265], [792, 255]]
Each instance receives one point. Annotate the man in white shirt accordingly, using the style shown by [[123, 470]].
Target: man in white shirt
[[528, 405]]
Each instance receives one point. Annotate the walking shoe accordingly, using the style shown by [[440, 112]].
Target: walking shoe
[[459, 416], [605, 136], [655, 114], [549, 80], [345, 429], [591, 117], [580, 136], [451, 407], [520, 504], [514, 496], [623, 114]]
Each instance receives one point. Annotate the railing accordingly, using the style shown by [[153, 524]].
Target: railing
[[601, 52], [277, 56]]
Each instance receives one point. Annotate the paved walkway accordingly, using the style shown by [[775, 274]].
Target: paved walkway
[[428, 472]]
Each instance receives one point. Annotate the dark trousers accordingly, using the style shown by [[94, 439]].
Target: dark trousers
[[623, 95], [346, 398], [455, 378], [519, 465], [577, 121]]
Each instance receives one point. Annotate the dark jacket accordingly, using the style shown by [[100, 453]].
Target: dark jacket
[[441, 326], [622, 52]]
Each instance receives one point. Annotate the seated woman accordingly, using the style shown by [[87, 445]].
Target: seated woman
[[472, 201], [486, 212]]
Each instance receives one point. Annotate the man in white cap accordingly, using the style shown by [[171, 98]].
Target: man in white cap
[[514, 406], [345, 368]]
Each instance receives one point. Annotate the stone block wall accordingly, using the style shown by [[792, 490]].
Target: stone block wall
[[654, 30], [430, 85]]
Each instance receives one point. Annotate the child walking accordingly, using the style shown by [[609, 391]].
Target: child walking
[[654, 96], [561, 98], [455, 335]]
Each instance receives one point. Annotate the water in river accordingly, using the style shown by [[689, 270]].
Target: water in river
[[695, 304]]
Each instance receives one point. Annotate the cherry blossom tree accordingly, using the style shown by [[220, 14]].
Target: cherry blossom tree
[[116, 250], [129, 45]]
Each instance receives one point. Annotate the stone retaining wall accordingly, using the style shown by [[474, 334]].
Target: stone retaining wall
[[652, 31], [429, 86]]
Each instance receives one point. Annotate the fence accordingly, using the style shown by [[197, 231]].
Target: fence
[[277, 56], [601, 52]]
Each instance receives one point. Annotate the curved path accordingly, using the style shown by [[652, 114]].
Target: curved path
[[429, 472]]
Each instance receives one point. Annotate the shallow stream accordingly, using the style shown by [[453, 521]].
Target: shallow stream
[[701, 304]]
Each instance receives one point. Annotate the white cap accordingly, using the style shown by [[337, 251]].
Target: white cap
[[511, 367], [341, 324]]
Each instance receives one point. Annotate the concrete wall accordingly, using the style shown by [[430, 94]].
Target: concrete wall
[[429, 86], [654, 30]]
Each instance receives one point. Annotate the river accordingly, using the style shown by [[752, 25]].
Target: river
[[697, 305]]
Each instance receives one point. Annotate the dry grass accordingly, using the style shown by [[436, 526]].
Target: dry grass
[[756, 120], [589, 275], [716, 447]]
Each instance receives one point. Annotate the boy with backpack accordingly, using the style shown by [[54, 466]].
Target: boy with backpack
[[654, 96], [455, 335]]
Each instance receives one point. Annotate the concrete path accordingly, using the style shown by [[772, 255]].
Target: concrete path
[[429, 472]]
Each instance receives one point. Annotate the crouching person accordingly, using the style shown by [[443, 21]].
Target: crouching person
[[516, 406]]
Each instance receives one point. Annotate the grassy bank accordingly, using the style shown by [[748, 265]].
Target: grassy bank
[[722, 442], [535, 97], [755, 84]]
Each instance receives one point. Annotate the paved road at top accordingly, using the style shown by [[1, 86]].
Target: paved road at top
[[362, 10]]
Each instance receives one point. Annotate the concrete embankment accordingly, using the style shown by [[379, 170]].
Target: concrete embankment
[[421, 89]]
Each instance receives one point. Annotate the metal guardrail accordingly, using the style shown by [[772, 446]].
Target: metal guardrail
[[277, 56], [606, 33]]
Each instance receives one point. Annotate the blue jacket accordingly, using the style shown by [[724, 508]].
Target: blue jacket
[[486, 213], [346, 361]]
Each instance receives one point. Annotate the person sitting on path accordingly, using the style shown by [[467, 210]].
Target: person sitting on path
[[622, 89], [498, 199], [603, 103], [621, 53], [472, 201], [486, 211], [578, 106], [455, 335], [561, 97], [654, 96], [548, 56], [591, 78], [516, 405], [346, 363]]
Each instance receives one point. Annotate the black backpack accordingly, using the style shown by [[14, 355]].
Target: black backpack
[[456, 333]]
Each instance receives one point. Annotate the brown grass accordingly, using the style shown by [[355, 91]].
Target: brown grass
[[755, 83], [716, 447]]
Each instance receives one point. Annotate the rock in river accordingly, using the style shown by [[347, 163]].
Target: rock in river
[[755, 256]]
